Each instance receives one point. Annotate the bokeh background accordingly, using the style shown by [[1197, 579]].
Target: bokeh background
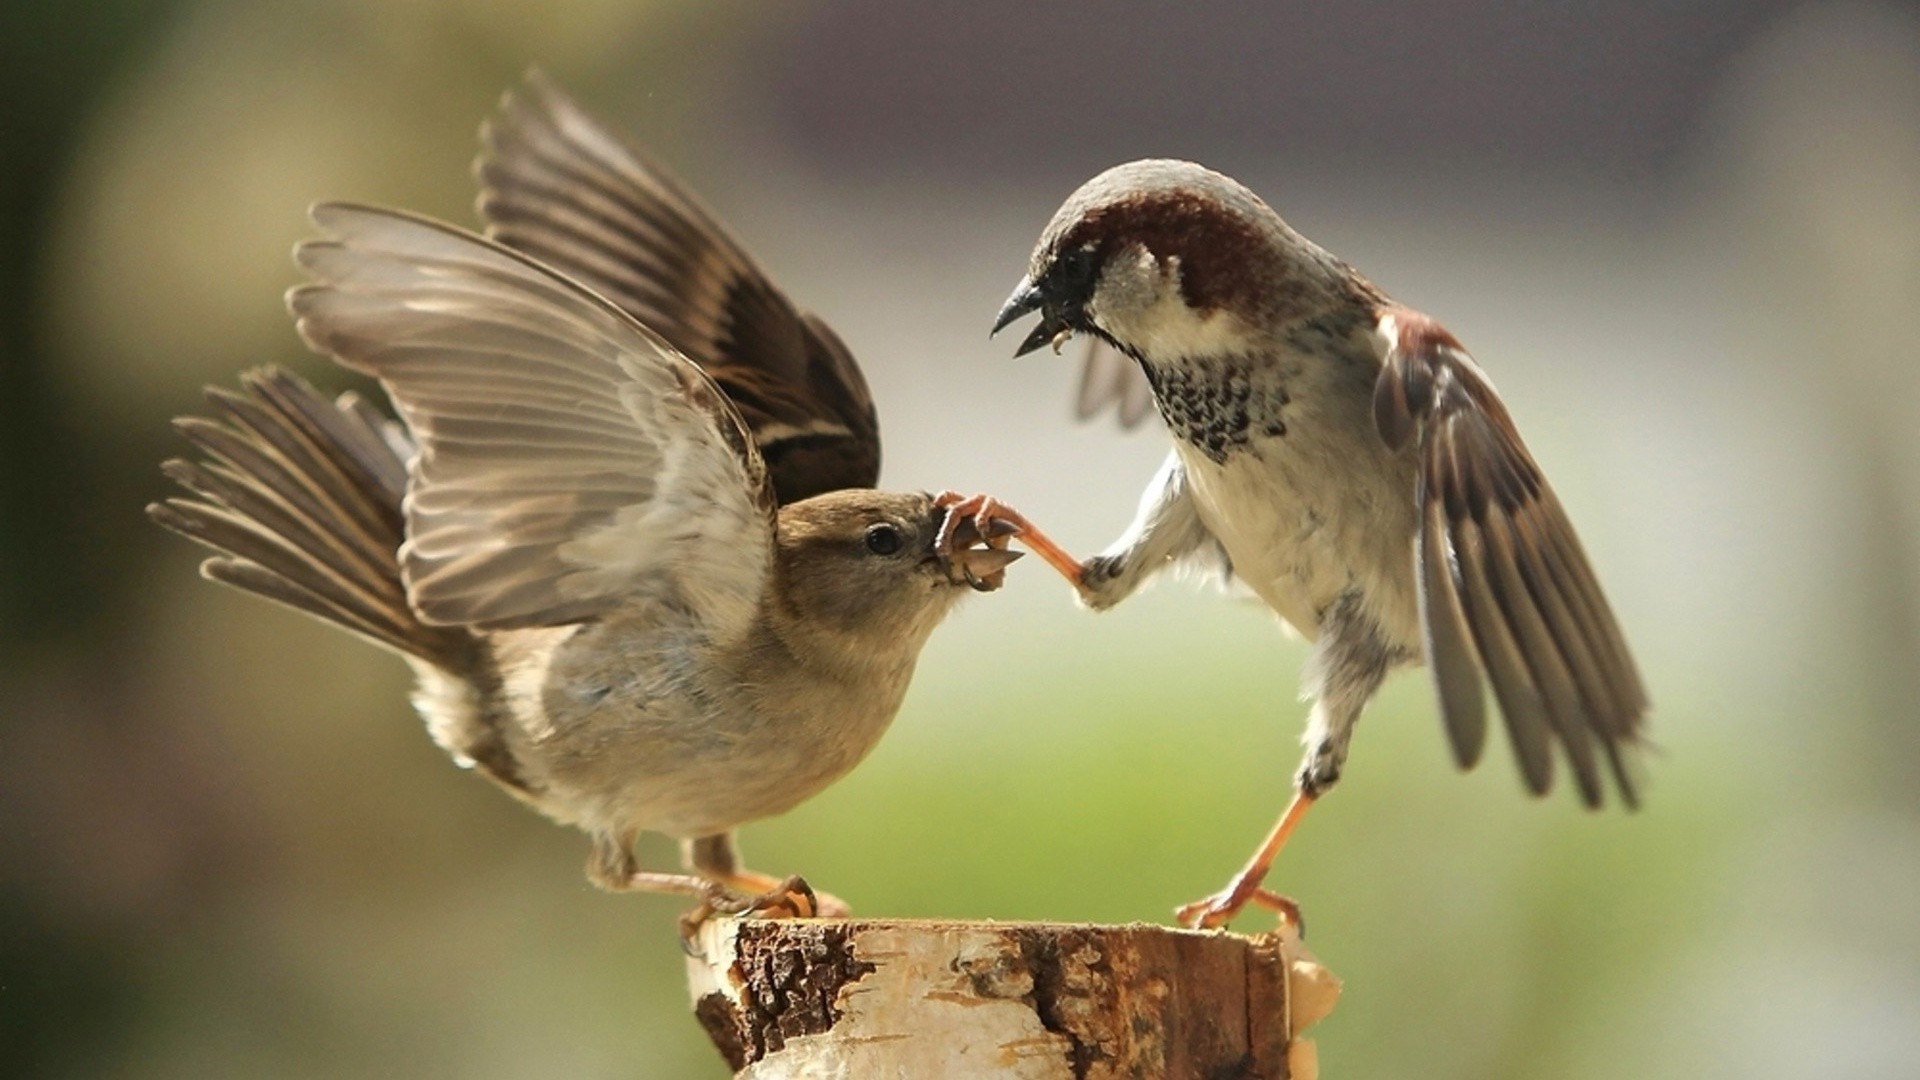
[[1685, 239]]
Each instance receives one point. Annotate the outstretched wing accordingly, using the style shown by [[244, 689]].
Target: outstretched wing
[[1110, 379], [1504, 586], [570, 460], [562, 187]]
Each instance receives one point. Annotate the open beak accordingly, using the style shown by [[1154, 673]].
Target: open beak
[[1025, 300]]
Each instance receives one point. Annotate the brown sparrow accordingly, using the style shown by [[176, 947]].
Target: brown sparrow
[[640, 591], [1343, 458]]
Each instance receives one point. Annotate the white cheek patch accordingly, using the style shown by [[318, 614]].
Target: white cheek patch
[[1139, 302], [1166, 329]]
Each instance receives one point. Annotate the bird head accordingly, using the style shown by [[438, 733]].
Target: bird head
[[1166, 259], [865, 562]]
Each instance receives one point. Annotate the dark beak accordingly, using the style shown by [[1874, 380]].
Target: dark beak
[[1025, 300]]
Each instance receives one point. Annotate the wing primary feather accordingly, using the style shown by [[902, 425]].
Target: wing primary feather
[[1455, 665], [1611, 711], [570, 459], [1550, 673], [1503, 587], [1585, 595], [1110, 379], [1520, 702], [1549, 586], [560, 185]]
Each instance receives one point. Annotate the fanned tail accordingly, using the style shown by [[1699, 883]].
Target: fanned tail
[[301, 498]]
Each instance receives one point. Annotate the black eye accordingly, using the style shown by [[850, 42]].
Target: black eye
[[1074, 270], [883, 539]]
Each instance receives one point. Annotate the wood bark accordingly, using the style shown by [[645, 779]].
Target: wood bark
[[931, 1000]]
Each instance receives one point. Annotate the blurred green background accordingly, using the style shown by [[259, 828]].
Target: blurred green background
[[1685, 239]]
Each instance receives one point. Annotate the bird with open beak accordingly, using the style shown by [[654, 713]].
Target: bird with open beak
[[642, 576], [1342, 457]]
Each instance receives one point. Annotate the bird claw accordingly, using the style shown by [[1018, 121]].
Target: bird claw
[[970, 520], [993, 523], [1212, 912], [1209, 912], [792, 898]]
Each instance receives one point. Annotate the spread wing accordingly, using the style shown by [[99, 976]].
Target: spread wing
[[1504, 586], [1110, 379], [563, 188], [569, 459]]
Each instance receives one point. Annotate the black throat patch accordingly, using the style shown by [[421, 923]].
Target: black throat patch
[[1219, 404]]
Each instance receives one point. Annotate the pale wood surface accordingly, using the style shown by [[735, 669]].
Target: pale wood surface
[[931, 1000]]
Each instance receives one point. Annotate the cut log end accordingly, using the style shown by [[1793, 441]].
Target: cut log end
[[1047, 1001]]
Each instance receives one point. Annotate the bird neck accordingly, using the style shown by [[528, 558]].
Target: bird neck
[[853, 652]]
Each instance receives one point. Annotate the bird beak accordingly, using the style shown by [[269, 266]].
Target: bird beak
[[1027, 298], [981, 567], [984, 567]]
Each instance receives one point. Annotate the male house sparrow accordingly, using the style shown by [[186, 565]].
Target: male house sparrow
[[635, 595], [1346, 460]]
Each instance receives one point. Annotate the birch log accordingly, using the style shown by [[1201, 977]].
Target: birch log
[[932, 1000]]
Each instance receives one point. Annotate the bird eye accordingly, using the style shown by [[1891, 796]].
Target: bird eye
[[1074, 268], [883, 539]]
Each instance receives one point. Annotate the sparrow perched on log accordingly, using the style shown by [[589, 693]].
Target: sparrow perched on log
[[624, 532], [1342, 457]]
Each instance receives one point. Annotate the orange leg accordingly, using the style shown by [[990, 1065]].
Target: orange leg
[[987, 512], [1221, 907]]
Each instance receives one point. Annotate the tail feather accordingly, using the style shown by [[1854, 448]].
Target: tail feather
[[301, 497], [273, 459], [279, 570], [381, 445], [240, 517], [331, 453]]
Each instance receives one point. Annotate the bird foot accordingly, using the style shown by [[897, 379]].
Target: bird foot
[[993, 523], [982, 567], [791, 898], [1215, 911]]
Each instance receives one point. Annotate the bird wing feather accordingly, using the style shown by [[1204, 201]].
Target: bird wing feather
[[570, 460], [1505, 589], [562, 187], [1110, 379]]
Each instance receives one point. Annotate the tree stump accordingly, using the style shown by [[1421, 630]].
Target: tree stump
[[930, 1000]]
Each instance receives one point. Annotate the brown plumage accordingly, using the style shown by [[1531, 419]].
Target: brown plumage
[[1352, 465], [581, 198], [575, 537]]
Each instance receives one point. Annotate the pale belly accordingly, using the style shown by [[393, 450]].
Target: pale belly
[[1302, 530], [637, 737]]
